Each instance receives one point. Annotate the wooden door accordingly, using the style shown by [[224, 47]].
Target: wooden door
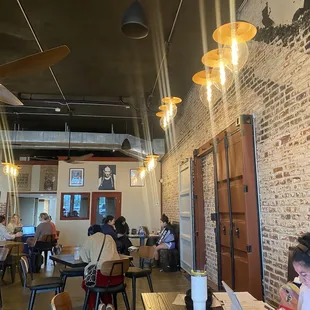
[[239, 229], [105, 203]]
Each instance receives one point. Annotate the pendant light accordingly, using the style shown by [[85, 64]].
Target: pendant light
[[10, 169], [234, 36], [142, 172], [163, 121], [151, 162], [219, 60], [208, 93], [134, 23]]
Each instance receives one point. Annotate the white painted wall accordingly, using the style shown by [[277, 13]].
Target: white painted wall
[[140, 205], [281, 11]]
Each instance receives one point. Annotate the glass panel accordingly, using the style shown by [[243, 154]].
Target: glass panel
[[75, 205], [105, 206]]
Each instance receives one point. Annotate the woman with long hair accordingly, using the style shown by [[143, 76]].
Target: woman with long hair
[[122, 230], [166, 237], [89, 254], [15, 224]]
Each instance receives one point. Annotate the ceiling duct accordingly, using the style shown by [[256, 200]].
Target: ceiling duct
[[55, 140]]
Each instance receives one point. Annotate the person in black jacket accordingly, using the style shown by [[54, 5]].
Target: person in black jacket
[[122, 230]]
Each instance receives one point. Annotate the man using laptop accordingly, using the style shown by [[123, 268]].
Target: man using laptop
[[4, 233]]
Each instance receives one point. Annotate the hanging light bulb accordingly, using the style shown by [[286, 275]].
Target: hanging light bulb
[[238, 54], [170, 111], [11, 169], [208, 93], [222, 77], [142, 172], [234, 36], [151, 162]]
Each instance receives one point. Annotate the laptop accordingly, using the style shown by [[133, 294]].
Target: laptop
[[249, 305], [29, 230]]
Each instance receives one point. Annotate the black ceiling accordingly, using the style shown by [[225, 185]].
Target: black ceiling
[[103, 62]]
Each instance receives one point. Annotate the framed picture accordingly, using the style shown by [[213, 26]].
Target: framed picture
[[48, 178], [76, 177], [135, 181], [107, 178]]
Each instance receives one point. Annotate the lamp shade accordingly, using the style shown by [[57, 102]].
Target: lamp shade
[[126, 145], [134, 23]]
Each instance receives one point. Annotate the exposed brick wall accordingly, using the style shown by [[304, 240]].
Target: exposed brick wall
[[209, 201], [274, 87]]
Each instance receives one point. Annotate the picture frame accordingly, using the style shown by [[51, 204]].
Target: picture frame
[[76, 177], [135, 181]]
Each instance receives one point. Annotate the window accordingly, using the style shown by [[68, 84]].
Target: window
[[74, 206]]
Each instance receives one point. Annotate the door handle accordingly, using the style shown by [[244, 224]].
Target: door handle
[[238, 232], [224, 230]]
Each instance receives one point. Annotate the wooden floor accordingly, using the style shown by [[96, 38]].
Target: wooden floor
[[17, 298]]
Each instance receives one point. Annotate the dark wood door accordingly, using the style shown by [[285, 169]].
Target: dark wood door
[[105, 203], [238, 225]]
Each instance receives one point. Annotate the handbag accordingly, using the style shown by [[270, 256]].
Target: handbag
[[90, 272]]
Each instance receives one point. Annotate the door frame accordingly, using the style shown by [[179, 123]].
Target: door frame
[[96, 195]]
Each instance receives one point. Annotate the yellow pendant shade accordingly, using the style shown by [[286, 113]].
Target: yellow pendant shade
[[201, 77], [238, 31], [171, 99], [214, 58], [160, 114]]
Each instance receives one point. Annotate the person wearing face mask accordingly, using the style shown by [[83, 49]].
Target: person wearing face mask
[[301, 263]]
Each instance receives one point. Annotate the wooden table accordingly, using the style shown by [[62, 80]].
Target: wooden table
[[3, 256], [162, 301], [5, 243], [68, 260]]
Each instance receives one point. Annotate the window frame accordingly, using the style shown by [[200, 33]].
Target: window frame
[[63, 218]]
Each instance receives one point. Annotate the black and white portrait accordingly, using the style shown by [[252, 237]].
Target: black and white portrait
[[107, 177]]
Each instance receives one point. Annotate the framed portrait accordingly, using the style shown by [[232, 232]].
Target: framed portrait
[[76, 177], [24, 179], [48, 178], [107, 178], [135, 181]]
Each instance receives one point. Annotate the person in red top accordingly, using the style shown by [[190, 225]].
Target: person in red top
[[53, 228]]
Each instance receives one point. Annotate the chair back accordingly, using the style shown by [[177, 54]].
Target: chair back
[[61, 301], [115, 267], [146, 252], [47, 238], [24, 270]]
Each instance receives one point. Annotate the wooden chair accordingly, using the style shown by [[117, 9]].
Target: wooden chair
[[145, 253], [61, 301], [38, 285], [46, 244], [110, 269], [15, 252]]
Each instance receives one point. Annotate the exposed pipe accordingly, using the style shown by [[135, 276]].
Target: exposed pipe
[[40, 47], [75, 102], [75, 115], [166, 51]]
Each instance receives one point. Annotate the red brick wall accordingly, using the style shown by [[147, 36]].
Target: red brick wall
[[274, 87]]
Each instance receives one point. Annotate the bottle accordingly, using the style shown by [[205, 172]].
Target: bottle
[[77, 253], [199, 289]]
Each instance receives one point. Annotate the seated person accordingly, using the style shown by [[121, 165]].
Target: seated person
[[15, 224], [122, 230], [301, 263], [43, 229], [5, 234], [89, 254], [166, 238], [108, 227]]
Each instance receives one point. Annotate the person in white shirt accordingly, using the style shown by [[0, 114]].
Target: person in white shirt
[[4, 233], [301, 263]]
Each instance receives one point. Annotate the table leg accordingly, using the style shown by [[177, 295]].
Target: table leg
[[0, 299], [142, 243]]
